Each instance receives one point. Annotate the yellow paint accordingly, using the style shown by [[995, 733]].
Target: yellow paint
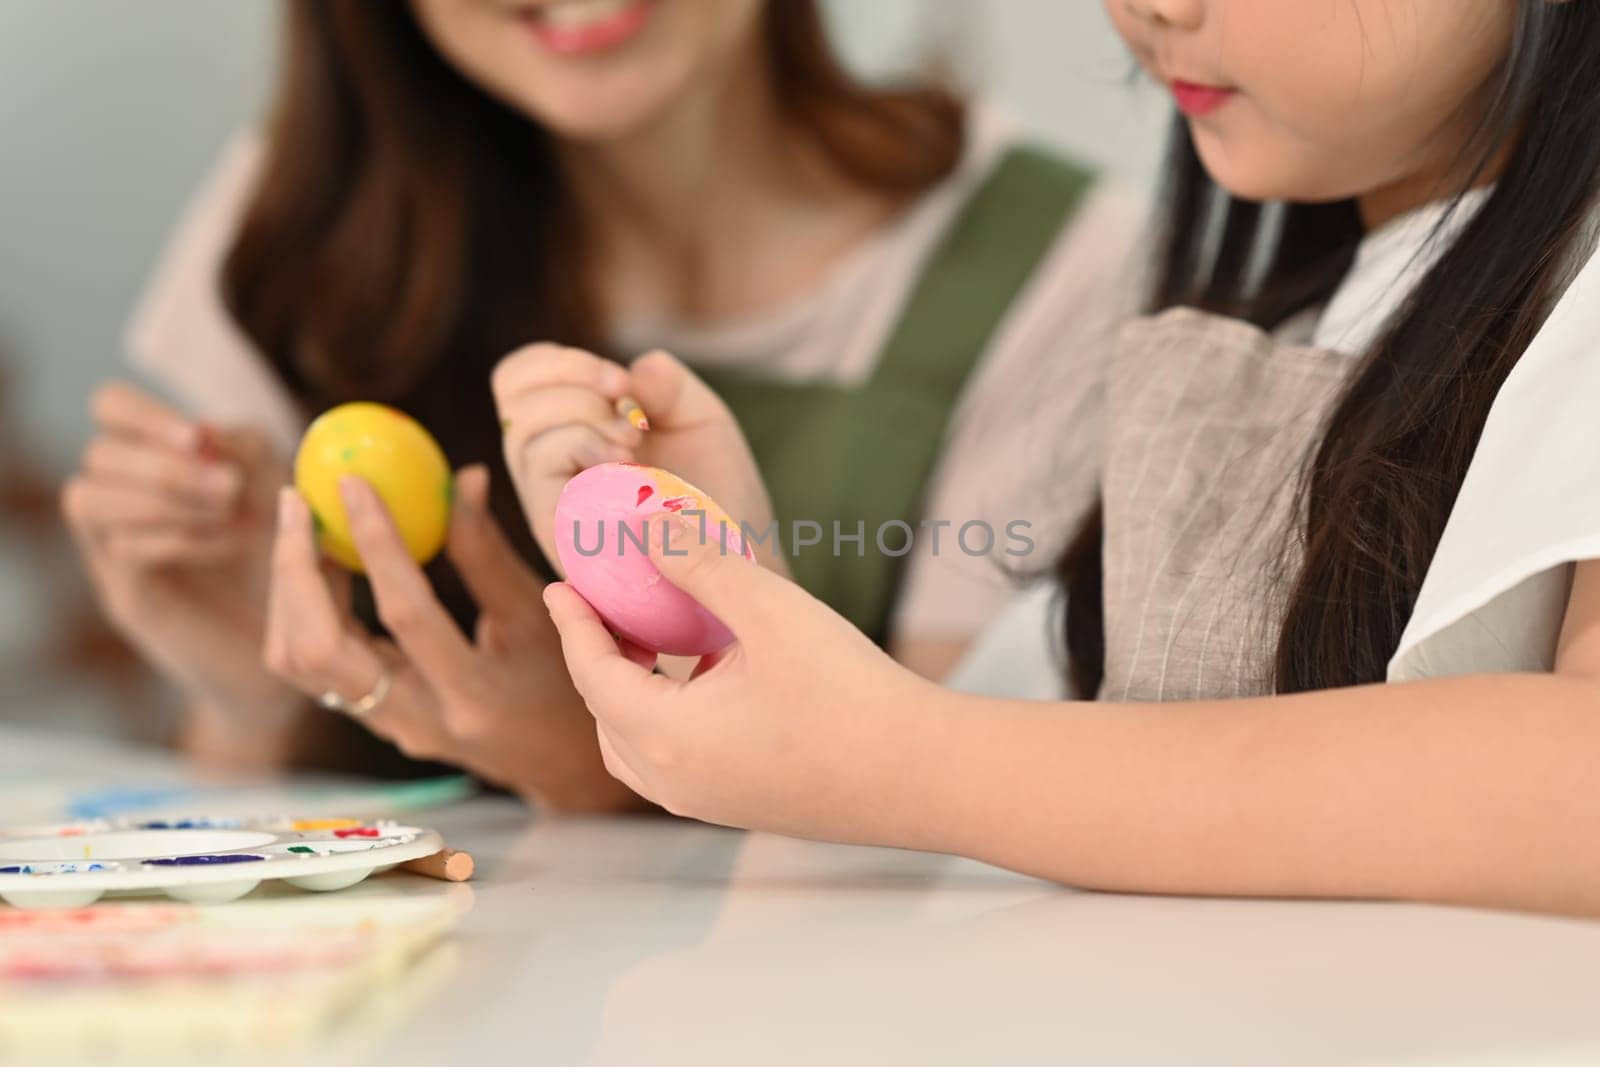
[[669, 485], [393, 454], [324, 824]]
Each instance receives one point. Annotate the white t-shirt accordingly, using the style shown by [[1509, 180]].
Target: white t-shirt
[[1495, 595], [1006, 456]]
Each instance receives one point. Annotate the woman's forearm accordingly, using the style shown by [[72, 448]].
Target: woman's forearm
[[1482, 790]]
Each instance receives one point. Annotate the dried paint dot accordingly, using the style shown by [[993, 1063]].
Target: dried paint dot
[[348, 454], [678, 503], [204, 861], [645, 493]]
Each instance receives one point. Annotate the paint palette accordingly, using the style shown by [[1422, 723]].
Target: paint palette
[[201, 860]]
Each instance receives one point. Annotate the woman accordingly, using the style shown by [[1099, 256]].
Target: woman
[[445, 180]]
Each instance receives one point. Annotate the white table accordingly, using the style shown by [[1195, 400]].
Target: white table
[[648, 941]]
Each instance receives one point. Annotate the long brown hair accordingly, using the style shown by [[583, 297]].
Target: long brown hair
[[1380, 486], [408, 229]]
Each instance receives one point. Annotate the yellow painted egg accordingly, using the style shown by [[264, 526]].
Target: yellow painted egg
[[396, 456]]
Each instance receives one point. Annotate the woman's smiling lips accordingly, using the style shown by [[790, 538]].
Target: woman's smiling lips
[[1196, 100], [585, 27]]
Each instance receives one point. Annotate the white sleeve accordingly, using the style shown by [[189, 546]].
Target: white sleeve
[[1495, 596], [1018, 655], [181, 334], [1023, 446]]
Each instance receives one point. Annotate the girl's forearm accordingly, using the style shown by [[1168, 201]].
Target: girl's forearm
[[1481, 791]]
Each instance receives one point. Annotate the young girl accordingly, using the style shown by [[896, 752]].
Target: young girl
[[1357, 446], [444, 180]]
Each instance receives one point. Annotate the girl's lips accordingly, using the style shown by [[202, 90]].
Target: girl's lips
[[586, 27], [1197, 100]]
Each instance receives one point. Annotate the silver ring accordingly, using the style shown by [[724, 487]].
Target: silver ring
[[332, 701]]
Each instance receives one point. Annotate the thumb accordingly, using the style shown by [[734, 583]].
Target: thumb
[[671, 394], [709, 564]]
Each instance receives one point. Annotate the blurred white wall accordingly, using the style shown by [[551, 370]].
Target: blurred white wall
[[111, 112]]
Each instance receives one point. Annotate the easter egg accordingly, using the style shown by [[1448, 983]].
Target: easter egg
[[605, 546], [397, 457]]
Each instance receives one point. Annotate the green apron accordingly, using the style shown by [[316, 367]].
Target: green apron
[[862, 455]]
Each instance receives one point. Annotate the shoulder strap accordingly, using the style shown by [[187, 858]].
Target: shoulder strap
[[985, 259]]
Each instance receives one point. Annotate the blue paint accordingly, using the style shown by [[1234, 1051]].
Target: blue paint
[[204, 861], [54, 868], [190, 824]]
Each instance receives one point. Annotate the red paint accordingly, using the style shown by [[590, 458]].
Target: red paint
[[1198, 101], [645, 492], [678, 503], [357, 831]]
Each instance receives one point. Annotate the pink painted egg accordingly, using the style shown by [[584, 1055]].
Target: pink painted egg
[[606, 548]]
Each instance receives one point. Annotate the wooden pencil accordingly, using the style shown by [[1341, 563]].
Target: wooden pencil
[[448, 865], [628, 408]]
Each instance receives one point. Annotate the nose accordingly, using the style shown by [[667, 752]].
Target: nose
[[1178, 14]]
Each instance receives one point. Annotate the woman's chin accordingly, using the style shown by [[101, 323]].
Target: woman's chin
[[601, 109]]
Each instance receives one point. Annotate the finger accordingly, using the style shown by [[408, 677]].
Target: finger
[[252, 451], [123, 409], [105, 505], [609, 682], [565, 451], [500, 581], [307, 642], [707, 565], [74, 513], [617, 764], [406, 603], [538, 411], [167, 547], [637, 654], [670, 393], [131, 462], [410, 714], [709, 661], [543, 365]]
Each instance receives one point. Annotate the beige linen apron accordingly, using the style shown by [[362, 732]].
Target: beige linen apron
[[1209, 424]]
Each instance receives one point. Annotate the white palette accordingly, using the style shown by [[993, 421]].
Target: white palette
[[204, 860]]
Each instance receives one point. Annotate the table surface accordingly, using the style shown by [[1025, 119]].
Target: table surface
[[652, 941]]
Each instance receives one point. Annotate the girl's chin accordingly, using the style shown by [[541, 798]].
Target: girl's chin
[[1259, 172]]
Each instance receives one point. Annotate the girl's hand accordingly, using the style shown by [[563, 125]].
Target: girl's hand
[[802, 727], [500, 705], [558, 408], [173, 520]]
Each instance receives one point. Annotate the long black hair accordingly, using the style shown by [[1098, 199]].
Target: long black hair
[[1378, 489]]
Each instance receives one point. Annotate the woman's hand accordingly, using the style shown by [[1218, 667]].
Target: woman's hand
[[802, 727], [500, 704], [558, 408], [174, 522]]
